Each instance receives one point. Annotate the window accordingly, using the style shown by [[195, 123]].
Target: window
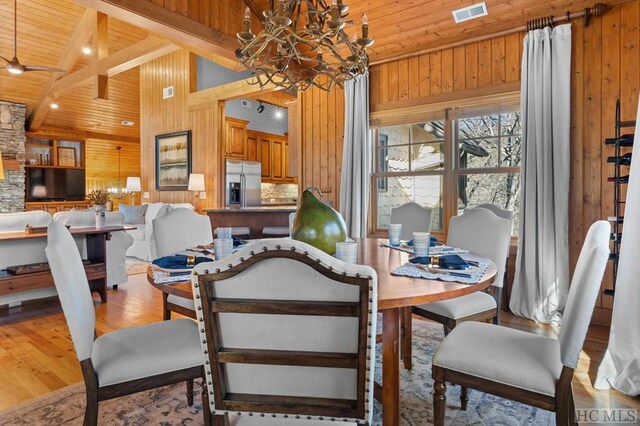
[[476, 155], [410, 167], [488, 162]]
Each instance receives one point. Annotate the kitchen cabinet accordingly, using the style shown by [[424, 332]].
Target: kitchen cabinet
[[236, 138], [253, 147], [277, 159], [264, 156]]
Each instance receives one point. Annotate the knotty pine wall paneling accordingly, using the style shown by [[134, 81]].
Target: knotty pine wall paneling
[[160, 116], [101, 162], [322, 136], [605, 67]]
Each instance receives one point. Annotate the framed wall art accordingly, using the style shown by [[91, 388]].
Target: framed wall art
[[173, 161], [66, 157]]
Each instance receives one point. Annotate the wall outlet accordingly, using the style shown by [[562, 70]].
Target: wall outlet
[[167, 92], [145, 195], [203, 195]]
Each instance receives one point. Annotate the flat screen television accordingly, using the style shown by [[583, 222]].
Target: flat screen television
[[55, 184]]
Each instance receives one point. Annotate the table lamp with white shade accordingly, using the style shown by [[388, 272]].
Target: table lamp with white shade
[[133, 185], [196, 184]]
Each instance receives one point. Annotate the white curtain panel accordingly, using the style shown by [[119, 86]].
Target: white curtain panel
[[356, 157], [542, 267], [620, 368]]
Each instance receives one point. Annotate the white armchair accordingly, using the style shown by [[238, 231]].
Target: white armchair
[[116, 247], [143, 246], [286, 322]]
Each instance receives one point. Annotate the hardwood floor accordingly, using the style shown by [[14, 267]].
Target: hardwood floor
[[37, 356]]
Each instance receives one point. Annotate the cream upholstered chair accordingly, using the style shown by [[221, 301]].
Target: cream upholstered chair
[[125, 361], [498, 211], [117, 245], [413, 217], [290, 338], [176, 231], [521, 366], [505, 214], [481, 232]]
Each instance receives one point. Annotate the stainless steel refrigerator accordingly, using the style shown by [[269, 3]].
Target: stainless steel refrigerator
[[242, 183]]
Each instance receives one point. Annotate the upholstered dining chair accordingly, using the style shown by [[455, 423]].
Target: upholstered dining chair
[[125, 361], [413, 217], [481, 232], [289, 336], [520, 366], [176, 231], [505, 214]]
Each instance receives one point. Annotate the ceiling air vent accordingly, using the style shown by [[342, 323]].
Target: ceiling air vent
[[245, 103], [471, 12], [127, 123]]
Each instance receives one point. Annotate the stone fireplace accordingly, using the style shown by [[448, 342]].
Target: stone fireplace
[[12, 138]]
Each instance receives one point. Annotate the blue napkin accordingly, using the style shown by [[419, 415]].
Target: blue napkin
[[179, 261], [426, 260], [433, 241], [237, 242], [452, 261]]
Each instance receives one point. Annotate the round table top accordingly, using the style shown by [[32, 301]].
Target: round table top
[[393, 291]]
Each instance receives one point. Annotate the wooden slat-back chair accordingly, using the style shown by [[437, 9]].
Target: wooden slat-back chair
[[289, 335]]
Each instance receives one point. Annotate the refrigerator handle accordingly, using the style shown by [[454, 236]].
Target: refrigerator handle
[[243, 192]]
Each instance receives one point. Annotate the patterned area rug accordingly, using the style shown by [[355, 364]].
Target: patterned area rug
[[136, 266], [168, 405]]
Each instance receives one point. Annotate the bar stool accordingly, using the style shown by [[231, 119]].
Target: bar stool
[[237, 231], [279, 231]]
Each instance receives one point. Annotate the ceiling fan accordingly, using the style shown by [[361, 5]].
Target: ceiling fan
[[14, 66]]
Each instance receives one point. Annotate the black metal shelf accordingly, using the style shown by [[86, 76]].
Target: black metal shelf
[[618, 204]]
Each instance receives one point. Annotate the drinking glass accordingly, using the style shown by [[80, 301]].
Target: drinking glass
[[222, 247], [347, 251], [395, 230], [224, 232], [421, 244]]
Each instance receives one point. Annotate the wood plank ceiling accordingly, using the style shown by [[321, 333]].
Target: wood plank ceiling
[[44, 30], [399, 27]]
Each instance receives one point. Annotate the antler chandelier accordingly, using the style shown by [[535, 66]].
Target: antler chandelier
[[304, 44]]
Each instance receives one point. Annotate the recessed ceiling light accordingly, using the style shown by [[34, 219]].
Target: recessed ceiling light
[[54, 105], [127, 123], [87, 50], [279, 114]]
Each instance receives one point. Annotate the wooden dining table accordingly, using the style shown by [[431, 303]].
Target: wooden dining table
[[396, 296]]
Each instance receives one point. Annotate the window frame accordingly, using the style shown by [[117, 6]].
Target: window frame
[[451, 170]]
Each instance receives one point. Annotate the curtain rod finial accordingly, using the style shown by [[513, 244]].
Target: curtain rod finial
[[598, 9]]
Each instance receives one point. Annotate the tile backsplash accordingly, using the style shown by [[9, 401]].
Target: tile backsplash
[[277, 193]]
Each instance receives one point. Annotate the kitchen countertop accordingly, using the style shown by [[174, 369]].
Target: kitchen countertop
[[257, 209]]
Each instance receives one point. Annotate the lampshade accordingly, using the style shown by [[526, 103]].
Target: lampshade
[[133, 184], [196, 182], [1, 168]]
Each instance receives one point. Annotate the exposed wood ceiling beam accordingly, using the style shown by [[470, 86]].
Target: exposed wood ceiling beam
[[174, 26], [63, 132], [227, 92], [69, 57], [144, 51], [101, 47]]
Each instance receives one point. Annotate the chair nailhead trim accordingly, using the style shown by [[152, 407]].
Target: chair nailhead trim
[[206, 271]]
